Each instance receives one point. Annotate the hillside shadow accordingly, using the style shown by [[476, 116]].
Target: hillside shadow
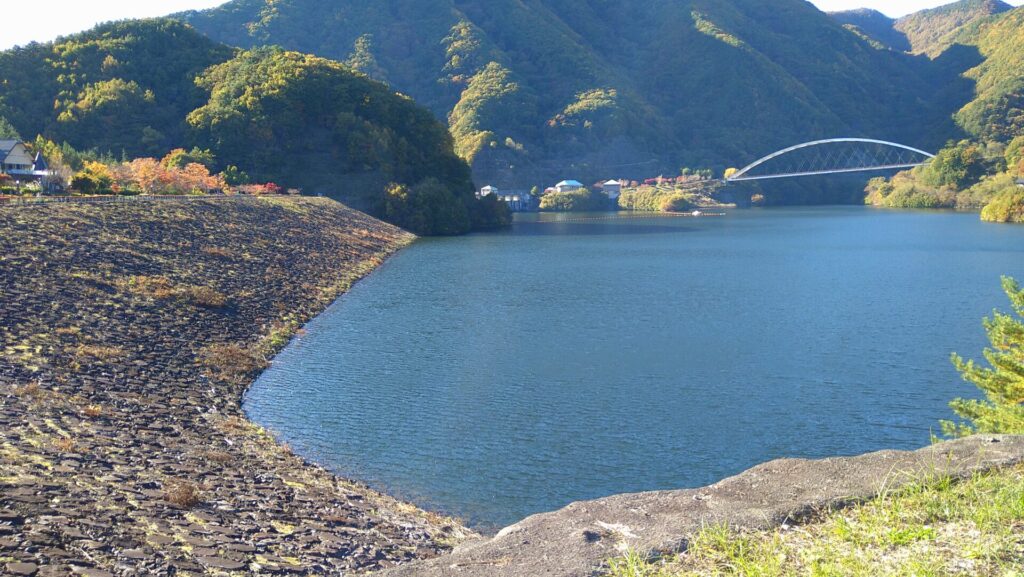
[[959, 58], [935, 120]]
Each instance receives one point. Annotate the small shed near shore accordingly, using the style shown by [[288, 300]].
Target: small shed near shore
[[613, 188]]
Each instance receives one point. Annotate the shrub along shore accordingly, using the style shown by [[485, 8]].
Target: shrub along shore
[[129, 334]]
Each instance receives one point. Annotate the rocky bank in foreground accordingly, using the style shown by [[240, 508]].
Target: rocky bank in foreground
[[129, 333], [580, 539]]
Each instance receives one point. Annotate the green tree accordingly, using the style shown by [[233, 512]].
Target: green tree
[[676, 203], [1006, 206], [428, 208], [7, 130], [363, 60], [180, 158], [489, 213], [958, 165], [1015, 152], [575, 201], [95, 178], [1003, 382], [235, 176]]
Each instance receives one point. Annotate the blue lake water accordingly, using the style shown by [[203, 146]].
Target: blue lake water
[[499, 375]]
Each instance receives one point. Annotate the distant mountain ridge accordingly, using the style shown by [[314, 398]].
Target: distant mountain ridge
[[928, 31], [874, 25], [535, 90], [997, 110], [532, 91], [983, 39], [932, 31]]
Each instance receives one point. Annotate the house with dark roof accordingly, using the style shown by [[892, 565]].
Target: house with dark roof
[[15, 158], [18, 163], [39, 165]]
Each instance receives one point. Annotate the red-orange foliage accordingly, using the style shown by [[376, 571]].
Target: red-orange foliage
[[150, 176]]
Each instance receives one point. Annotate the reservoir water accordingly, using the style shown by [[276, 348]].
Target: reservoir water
[[499, 375]]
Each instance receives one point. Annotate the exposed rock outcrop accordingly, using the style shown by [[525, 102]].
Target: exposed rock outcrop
[[577, 540]]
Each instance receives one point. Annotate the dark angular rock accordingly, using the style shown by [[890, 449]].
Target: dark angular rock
[[22, 568], [90, 572], [222, 563]]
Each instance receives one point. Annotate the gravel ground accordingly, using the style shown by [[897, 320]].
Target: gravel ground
[[128, 334]]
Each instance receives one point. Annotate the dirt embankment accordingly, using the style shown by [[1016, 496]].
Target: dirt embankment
[[128, 334]]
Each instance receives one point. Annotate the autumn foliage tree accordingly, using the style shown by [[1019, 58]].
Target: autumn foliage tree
[[146, 176], [94, 178]]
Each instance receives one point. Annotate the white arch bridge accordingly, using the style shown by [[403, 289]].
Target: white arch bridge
[[832, 156]]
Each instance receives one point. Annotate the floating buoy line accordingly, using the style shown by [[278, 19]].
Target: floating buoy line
[[636, 216]]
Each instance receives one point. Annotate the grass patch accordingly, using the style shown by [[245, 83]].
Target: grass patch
[[161, 288], [99, 353], [182, 494], [941, 527], [30, 391], [288, 204], [235, 363], [217, 251], [154, 287], [203, 296], [93, 411], [64, 444], [232, 363], [279, 335]]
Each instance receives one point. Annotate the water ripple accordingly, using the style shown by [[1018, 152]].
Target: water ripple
[[500, 375]]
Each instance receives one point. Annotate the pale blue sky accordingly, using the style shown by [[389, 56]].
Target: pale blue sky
[[43, 20]]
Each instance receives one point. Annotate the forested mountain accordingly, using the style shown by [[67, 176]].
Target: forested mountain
[[874, 25], [997, 110], [123, 87], [933, 31], [531, 90], [142, 88], [982, 39], [928, 32], [534, 90], [981, 172]]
